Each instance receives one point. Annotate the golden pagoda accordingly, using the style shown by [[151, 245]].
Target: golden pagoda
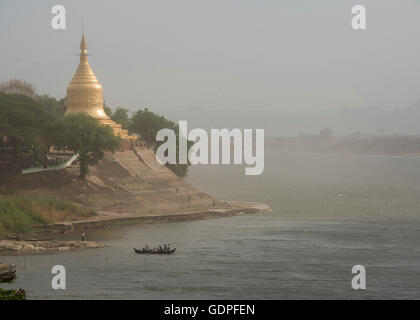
[[84, 94]]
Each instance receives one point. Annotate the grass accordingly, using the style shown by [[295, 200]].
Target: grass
[[20, 213], [12, 294]]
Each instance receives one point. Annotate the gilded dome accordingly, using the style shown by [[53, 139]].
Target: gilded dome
[[84, 93]]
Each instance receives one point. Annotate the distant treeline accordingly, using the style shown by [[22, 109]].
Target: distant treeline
[[395, 145]]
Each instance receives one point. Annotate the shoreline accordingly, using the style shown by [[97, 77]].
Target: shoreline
[[30, 246], [110, 220]]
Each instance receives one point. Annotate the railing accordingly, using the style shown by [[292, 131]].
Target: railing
[[59, 166]]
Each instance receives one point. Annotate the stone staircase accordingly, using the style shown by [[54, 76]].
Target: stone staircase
[[138, 172]]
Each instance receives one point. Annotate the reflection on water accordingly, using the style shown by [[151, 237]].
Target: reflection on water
[[330, 212]]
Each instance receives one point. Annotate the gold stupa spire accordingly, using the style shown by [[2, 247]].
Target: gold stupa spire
[[83, 45], [84, 94]]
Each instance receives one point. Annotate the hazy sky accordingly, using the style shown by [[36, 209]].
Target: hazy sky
[[285, 56]]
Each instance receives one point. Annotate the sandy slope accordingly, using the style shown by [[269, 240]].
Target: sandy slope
[[128, 184]]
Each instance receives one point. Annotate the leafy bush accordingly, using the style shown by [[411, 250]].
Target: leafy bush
[[12, 294]]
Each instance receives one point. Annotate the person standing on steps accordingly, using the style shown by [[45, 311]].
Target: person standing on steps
[[83, 236]]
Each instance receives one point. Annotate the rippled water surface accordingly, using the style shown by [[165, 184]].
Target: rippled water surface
[[330, 212]]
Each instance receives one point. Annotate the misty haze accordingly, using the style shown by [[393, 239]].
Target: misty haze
[[80, 186]]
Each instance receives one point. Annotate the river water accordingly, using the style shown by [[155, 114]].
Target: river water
[[329, 213]]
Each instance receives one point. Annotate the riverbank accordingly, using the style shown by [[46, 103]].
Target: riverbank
[[111, 220], [20, 213], [126, 187], [43, 246]]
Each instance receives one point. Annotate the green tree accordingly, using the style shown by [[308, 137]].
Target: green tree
[[147, 123], [87, 137], [108, 111], [52, 105], [27, 123], [121, 116]]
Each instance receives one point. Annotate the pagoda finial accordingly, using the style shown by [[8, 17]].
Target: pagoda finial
[[83, 45]]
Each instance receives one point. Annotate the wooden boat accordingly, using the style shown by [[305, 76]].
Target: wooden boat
[[153, 251], [7, 277], [7, 272]]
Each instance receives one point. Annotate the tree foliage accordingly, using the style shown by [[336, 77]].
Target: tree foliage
[[147, 124], [27, 122], [108, 111], [86, 136], [56, 107], [11, 294], [121, 116], [16, 86]]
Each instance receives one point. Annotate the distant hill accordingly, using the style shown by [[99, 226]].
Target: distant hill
[[277, 123]]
